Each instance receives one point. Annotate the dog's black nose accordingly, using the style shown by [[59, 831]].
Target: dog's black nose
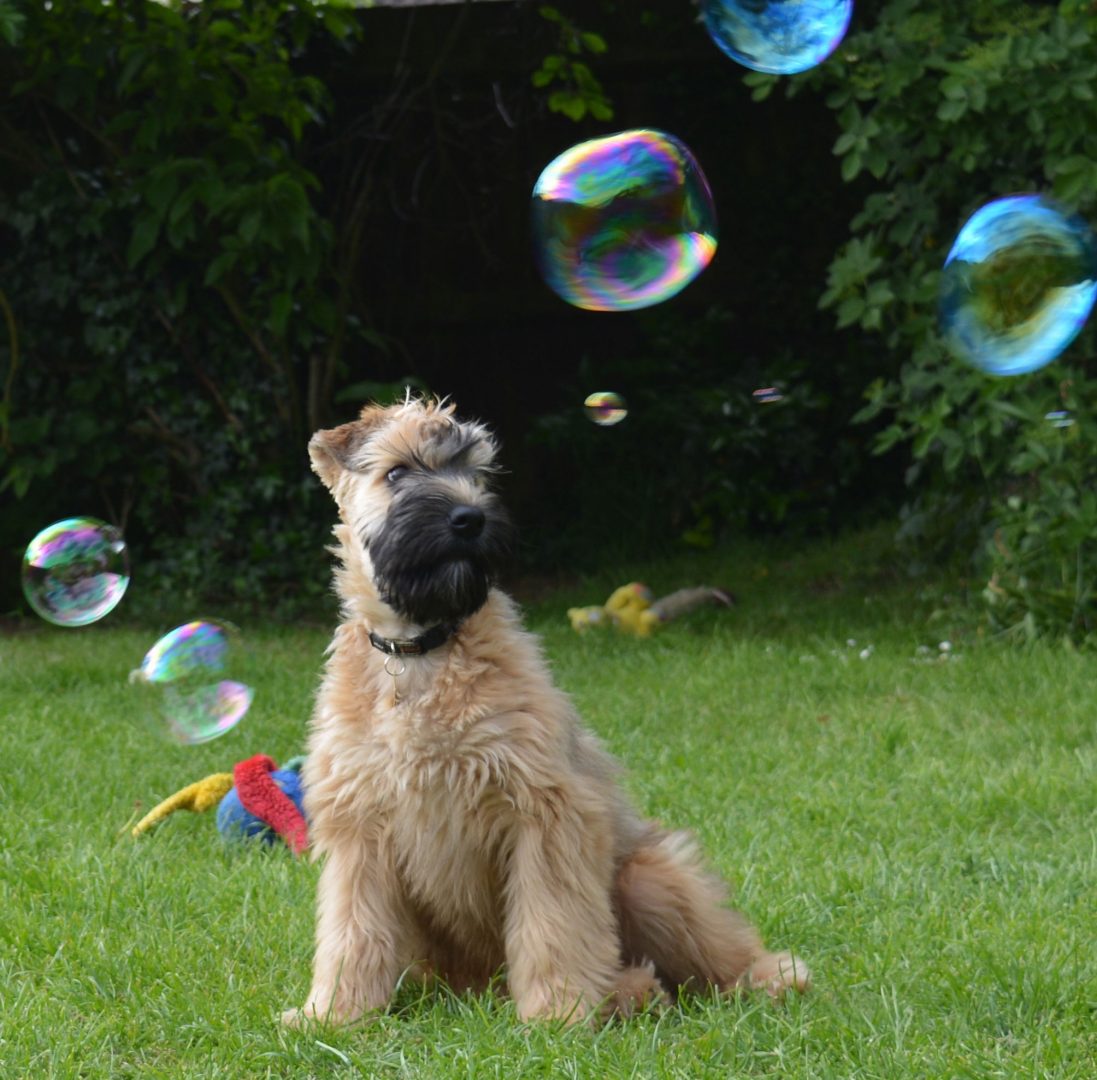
[[467, 521]]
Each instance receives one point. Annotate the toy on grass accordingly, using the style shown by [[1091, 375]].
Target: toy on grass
[[264, 798], [629, 609], [633, 611], [255, 799], [583, 618]]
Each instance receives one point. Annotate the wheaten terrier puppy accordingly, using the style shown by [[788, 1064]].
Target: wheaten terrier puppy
[[467, 819]]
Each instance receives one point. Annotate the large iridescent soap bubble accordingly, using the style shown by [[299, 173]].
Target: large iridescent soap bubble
[[1018, 284], [76, 571], [623, 222], [780, 37], [187, 669]]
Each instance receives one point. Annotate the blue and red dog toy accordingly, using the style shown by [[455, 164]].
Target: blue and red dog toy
[[255, 799]]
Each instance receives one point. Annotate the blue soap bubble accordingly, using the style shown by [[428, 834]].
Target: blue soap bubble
[[1018, 284], [780, 37]]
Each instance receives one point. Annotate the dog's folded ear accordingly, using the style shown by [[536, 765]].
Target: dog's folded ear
[[336, 449]]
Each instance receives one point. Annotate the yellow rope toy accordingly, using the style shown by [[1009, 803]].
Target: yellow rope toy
[[201, 795]]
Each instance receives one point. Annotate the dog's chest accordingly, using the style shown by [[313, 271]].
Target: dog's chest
[[450, 857], [448, 822]]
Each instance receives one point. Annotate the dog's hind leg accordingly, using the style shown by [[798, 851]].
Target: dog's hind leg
[[671, 912]]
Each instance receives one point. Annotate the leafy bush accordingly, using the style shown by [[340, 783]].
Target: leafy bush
[[574, 89], [947, 106], [174, 314]]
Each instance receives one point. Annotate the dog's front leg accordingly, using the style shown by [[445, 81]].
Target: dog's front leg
[[562, 950], [361, 929]]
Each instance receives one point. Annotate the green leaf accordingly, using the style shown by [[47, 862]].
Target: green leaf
[[950, 111], [134, 62], [280, 308], [143, 238], [220, 267], [161, 187], [249, 225], [850, 311], [11, 24], [846, 141]]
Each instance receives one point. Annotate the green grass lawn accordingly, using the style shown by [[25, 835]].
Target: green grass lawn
[[920, 830]]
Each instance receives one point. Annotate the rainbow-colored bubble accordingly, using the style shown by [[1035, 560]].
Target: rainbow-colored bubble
[[780, 37], [623, 222], [76, 571], [195, 648], [205, 712], [1018, 284], [186, 665], [605, 408]]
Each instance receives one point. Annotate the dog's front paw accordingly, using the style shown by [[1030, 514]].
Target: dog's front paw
[[296, 1018], [777, 973], [547, 1003], [305, 1017], [310, 1016]]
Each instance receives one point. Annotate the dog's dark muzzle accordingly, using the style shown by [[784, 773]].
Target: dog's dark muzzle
[[434, 558]]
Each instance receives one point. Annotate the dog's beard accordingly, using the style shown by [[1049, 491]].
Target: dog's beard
[[427, 573]]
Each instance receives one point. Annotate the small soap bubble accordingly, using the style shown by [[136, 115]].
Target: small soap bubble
[[1060, 419], [780, 37], [606, 408], [623, 222], [768, 395], [187, 667], [1018, 285], [76, 571]]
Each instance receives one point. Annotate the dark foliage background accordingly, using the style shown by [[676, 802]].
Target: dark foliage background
[[225, 224], [946, 106]]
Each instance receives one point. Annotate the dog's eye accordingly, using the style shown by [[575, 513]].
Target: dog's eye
[[395, 473]]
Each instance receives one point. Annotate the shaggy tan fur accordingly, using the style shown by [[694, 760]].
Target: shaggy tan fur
[[466, 817]]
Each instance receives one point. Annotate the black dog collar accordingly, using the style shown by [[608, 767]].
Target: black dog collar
[[434, 637]]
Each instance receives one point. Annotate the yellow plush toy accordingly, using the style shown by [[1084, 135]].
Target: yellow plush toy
[[583, 618], [633, 611], [630, 609], [199, 796]]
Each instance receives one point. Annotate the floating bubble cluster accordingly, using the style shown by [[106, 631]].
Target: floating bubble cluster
[[186, 665], [606, 408], [780, 37], [623, 222], [1018, 284], [76, 571]]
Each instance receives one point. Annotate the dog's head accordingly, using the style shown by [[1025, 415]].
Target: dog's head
[[413, 486]]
